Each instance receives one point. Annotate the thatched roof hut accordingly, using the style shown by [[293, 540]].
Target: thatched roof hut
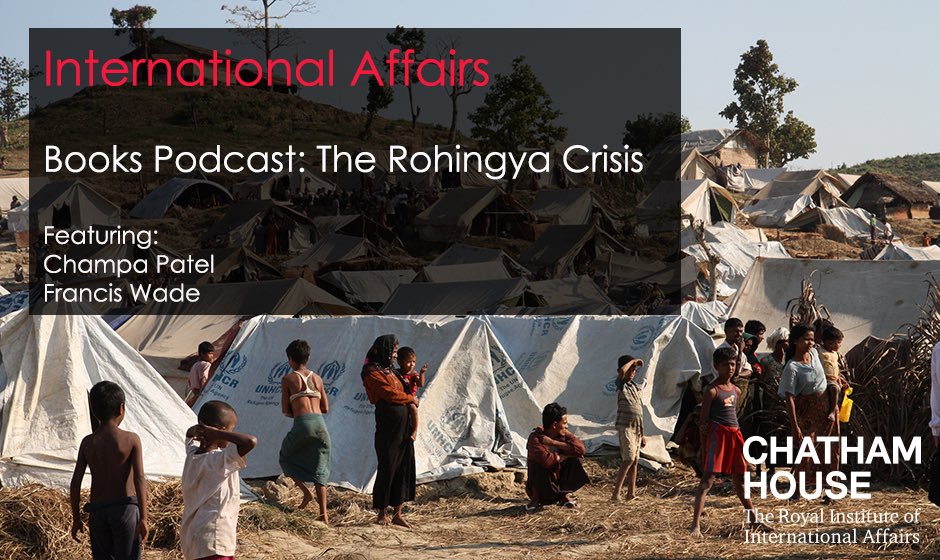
[[888, 196]]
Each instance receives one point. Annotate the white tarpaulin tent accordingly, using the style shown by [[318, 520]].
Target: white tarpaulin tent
[[865, 298], [18, 187], [155, 204], [704, 200], [477, 402], [67, 205], [823, 188], [457, 298], [854, 222], [367, 287], [777, 212], [722, 232], [736, 260], [451, 217], [901, 252], [464, 272], [331, 248], [757, 178], [49, 362], [709, 316]]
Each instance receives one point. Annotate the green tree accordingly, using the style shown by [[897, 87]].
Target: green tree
[[760, 88], [406, 39], [378, 98], [133, 21], [13, 79], [648, 130], [517, 111]]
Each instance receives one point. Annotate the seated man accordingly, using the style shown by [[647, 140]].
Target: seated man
[[554, 461]]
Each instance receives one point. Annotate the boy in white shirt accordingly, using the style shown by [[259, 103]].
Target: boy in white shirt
[[211, 485]]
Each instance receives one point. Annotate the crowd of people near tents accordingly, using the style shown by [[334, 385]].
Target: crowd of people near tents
[[796, 389]]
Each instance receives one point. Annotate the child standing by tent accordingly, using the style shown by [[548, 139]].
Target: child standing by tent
[[629, 425], [407, 359], [211, 486], [723, 444], [117, 511], [199, 373]]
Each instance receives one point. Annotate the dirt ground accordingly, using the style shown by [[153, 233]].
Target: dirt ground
[[482, 517]]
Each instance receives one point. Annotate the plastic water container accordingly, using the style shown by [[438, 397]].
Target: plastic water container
[[846, 411]]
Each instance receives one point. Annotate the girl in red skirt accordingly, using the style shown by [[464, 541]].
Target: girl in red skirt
[[722, 443]]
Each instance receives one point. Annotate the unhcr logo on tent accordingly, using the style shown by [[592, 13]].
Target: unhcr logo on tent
[[545, 325], [331, 372], [234, 363], [611, 388], [643, 337], [277, 373]]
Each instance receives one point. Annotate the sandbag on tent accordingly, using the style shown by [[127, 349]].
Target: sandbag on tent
[[573, 361], [865, 298], [50, 362], [854, 222], [901, 252], [461, 404], [777, 212]]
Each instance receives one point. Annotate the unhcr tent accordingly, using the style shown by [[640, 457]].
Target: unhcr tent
[[853, 291], [330, 248], [165, 333], [488, 379], [49, 363], [182, 192], [901, 252], [557, 250], [854, 222], [777, 212], [704, 200], [825, 189], [68, 205], [244, 225], [370, 288]]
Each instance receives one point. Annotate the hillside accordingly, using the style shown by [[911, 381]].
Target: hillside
[[918, 167]]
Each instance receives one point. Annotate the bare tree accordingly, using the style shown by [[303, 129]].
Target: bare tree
[[456, 91], [262, 25]]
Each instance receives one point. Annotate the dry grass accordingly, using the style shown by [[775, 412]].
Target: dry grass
[[482, 515]]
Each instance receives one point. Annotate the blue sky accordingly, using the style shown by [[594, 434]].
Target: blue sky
[[867, 70]]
